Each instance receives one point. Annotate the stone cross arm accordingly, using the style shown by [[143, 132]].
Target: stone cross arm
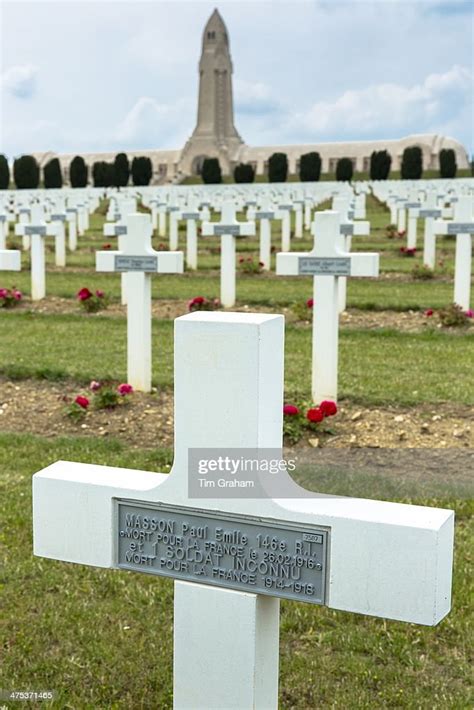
[[228, 224], [328, 256], [136, 253], [384, 559]]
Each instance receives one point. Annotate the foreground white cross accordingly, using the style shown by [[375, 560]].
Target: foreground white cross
[[327, 262], [233, 555], [139, 261], [228, 229], [463, 227]]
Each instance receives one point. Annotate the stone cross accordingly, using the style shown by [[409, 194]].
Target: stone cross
[[71, 216], [234, 552], [3, 230], [298, 208], [173, 212], [413, 207], [24, 215], [285, 211], [265, 215], [139, 261], [401, 214], [192, 215], [36, 231], [158, 213], [119, 229], [462, 227], [327, 263], [229, 229], [348, 229], [429, 211]]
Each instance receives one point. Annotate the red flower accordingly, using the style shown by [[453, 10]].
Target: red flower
[[82, 401], [328, 408], [290, 410], [99, 293], [3, 292], [94, 386], [261, 264], [198, 300], [429, 312], [124, 389], [241, 260], [315, 414], [84, 294], [469, 313], [310, 302], [403, 249], [107, 246], [17, 295]]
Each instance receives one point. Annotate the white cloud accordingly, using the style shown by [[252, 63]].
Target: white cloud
[[151, 124], [389, 108], [20, 80], [254, 97]]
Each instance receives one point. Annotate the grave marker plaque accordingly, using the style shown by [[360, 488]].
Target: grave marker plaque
[[136, 263], [321, 266], [235, 552]]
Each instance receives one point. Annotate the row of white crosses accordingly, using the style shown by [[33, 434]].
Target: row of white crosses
[[378, 558], [328, 262]]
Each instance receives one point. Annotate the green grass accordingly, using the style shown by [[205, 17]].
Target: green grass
[[376, 367], [103, 638]]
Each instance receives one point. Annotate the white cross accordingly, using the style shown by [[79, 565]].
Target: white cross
[[413, 207], [429, 211], [463, 227], [229, 229], [158, 214], [3, 229], [36, 230], [119, 229], [327, 262], [284, 213], [192, 215], [234, 556], [139, 260], [348, 229], [71, 216], [173, 212], [265, 215]]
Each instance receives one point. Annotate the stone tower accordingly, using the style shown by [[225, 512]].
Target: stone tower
[[215, 135]]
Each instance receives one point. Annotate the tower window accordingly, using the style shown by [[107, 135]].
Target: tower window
[[211, 35]]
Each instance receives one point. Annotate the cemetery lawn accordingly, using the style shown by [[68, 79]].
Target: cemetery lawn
[[377, 366], [103, 638]]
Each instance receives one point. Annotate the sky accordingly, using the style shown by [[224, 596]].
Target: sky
[[109, 76]]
